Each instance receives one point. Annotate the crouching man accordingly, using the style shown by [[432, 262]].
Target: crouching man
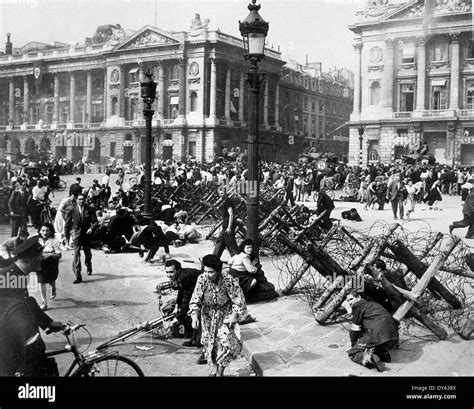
[[373, 332], [185, 280]]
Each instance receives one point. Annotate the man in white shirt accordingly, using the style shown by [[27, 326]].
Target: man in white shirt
[[39, 197]]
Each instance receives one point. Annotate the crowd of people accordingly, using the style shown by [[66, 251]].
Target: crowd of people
[[212, 302]]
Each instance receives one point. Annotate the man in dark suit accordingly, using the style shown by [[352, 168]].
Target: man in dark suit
[[373, 332], [75, 188], [184, 280], [397, 193], [17, 205], [151, 237], [289, 186], [324, 203], [80, 221]]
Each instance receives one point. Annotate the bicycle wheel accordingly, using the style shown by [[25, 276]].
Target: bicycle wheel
[[61, 185], [110, 366], [315, 196]]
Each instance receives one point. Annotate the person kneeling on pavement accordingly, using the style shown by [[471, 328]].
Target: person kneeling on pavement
[[184, 279], [246, 267], [151, 238], [373, 332]]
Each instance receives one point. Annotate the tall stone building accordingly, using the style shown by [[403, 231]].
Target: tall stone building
[[83, 101], [414, 81]]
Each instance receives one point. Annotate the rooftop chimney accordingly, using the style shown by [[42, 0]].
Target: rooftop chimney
[[8, 46]]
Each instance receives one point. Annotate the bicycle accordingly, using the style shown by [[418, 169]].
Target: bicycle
[[58, 185], [95, 363], [46, 215], [159, 326]]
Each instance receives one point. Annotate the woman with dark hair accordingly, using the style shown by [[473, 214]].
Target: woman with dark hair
[[218, 301], [48, 273], [244, 266]]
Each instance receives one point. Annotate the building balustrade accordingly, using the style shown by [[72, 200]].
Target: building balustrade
[[466, 113], [437, 113], [434, 113], [51, 53], [403, 115]]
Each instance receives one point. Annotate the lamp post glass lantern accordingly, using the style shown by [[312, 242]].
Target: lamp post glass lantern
[[254, 31], [148, 93]]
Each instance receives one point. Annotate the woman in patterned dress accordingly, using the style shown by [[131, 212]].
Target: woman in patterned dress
[[219, 300]]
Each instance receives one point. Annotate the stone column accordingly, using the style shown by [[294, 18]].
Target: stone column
[[310, 119], [265, 104], [421, 76], [89, 96], [121, 96], [56, 99], [357, 76], [11, 102], [72, 97], [106, 101], [387, 90], [140, 103], [227, 96], [454, 97], [155, 103], [324, 121], [212, 96], [43, 114], [26, 100], [277, 105], [182, 87], [241, 97], [161, 91]]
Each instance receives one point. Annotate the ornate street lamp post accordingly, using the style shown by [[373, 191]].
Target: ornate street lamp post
[[361, 137], [148, 92], [253, 30]]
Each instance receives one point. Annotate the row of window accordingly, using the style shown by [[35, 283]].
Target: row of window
[[438, 95], [438, 51]]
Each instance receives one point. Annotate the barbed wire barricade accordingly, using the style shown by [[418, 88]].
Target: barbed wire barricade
[[345, 245]]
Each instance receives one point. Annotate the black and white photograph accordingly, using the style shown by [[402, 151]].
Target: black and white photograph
[[280, 193]]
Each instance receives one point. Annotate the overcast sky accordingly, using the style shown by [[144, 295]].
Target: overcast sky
[[317, 28]]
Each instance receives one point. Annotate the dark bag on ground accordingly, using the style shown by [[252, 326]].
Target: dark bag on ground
[[351, 215]]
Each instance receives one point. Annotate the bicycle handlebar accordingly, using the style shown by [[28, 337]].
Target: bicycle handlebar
[[67, 329]]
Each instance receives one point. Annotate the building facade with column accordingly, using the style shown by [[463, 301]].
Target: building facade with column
[[414, 81], [83, 101]]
